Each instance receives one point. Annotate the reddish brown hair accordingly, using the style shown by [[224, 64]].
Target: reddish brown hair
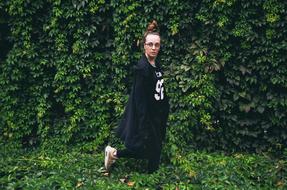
[[152, 28]]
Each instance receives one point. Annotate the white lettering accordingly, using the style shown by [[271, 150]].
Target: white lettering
[[159, 90]]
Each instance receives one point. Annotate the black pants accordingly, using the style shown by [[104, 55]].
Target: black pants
[[151, 154], [152, 146]]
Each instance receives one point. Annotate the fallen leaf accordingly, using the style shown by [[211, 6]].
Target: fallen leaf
[[106, 174], [123, 180], [131, 183], [280, 184], [79, 184]]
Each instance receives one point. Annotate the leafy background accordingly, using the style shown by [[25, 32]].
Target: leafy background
[[65, 73]]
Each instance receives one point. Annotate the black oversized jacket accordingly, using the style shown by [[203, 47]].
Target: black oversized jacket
[[146, 112]]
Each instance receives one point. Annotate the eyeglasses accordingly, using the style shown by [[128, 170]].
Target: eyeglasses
[[150, 45]]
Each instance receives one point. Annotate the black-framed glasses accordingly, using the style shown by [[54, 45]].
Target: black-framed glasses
[[150, 45]]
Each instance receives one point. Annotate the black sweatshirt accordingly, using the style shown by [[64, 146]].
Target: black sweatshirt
[[145, 115]]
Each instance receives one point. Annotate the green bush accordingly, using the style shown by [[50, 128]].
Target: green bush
[[66, 73], [252, 84], [73, 169]]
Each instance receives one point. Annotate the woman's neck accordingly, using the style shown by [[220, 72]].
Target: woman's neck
[[150, 60]]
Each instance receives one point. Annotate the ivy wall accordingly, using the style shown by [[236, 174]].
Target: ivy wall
[[66, 70]]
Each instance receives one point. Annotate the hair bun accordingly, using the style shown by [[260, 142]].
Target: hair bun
[[152, 26]]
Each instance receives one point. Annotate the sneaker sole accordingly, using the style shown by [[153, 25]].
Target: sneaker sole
[[107, 158]]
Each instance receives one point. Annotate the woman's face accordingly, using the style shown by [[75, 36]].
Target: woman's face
[[152, 45]]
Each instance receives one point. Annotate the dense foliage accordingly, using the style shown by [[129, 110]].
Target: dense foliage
[[71, 169], [65, 71]]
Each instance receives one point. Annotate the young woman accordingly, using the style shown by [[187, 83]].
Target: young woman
[[143, 125]]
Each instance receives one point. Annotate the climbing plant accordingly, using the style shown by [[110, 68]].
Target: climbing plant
[[66, 71]]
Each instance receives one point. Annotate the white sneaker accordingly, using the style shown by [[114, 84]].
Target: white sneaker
[[110, 157]]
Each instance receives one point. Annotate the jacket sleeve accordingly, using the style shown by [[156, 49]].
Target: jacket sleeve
[[141, 103]]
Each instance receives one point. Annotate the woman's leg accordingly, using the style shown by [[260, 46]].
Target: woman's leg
[[153, 153], [127, 153], [153, 160], [152, 156]]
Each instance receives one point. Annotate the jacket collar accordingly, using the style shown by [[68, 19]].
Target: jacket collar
[[144, 58]]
